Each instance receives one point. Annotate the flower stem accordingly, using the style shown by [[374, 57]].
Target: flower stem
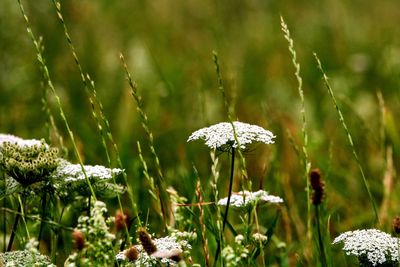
[[230, 190], [320, 242], [43, 217], [14, 229], [227, 204]]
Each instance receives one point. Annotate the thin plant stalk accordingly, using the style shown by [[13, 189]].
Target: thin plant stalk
[[43, 207], [320, 241], [46, 74], [4, 216], [349, 138], [165, 204], [306, 161], [86, 80], [228, 109], [204, 240], [215, 178], [230, 188], [14, 228]]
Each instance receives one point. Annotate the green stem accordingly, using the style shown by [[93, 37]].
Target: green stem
[[14, 229], [43, 217], [4, 216], [227, 205], [350, 139], [320, 242], [230, 189]]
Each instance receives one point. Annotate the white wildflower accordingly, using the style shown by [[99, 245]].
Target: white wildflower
[[167, 248], [375, 246], [219, 135], [259, 237], [73, 172], [246, 198], [8, 138]]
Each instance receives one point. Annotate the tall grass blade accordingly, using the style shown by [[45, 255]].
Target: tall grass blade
[[163, 196], [349, 138], [306, 161]]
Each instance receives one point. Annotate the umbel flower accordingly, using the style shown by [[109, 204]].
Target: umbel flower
[[69, 179], [168, 252], [370, 246], [221, 136], [27, 161], [246, 199], [8, 138], [30, 256]]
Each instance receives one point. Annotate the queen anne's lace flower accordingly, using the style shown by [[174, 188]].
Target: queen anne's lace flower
[[370, 245], [219, 135], [246, 198], [167, 247], [69, 179], [73, 172], [8, 138]]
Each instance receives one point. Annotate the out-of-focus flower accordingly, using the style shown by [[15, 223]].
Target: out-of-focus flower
[[396, 225], [370, 246], [221, 136], [246, 199]]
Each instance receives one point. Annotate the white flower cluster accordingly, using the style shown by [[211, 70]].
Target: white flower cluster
[[376, 246], [167, 247], [73, 172], [246, 198], [8, 138], [218, 135]]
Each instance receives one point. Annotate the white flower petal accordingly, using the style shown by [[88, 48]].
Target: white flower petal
[[222, 134]]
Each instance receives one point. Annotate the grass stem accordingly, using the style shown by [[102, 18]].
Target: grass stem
[[349, 138]]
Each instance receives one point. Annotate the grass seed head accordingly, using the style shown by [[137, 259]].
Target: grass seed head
[[146, 241], [396, 225], [132, 254], [317, 185]]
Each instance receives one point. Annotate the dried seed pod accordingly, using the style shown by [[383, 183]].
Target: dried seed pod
[[79, 239], [146, 241], [317, 185], [132, 254]]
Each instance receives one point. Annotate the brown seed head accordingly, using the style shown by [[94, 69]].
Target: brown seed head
[[132, 254], [396, 225], [146, 241], [317, 185], [120, 220], [79, 239]]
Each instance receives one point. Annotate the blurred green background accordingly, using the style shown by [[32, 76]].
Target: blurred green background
[[168, 46]]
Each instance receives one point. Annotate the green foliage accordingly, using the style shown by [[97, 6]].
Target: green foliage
[[168, 46], [98, 249]]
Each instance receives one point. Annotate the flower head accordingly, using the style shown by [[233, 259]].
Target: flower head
[[70, 180], [169, 250], [370, 245], [220, 135], [8, 138], [245, 199], [27, 161], [73, 172]]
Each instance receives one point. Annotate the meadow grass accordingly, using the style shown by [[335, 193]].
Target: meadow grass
[[175, 202]]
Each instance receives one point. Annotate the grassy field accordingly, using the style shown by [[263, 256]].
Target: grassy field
[[322, 76]]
